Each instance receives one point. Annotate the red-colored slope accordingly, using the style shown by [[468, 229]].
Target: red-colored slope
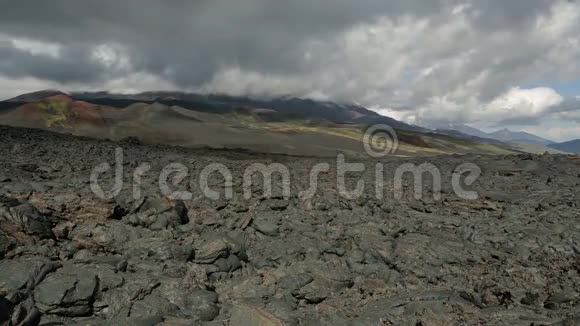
[[62, 109]]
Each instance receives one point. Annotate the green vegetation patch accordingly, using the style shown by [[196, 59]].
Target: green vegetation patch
[[56, 113]]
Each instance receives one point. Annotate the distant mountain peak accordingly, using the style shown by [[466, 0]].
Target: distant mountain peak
[[504, 135], [519, 137]]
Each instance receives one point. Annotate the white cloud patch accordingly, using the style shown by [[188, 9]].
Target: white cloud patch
[[112, 56], [133, 83], [235, 81], [10, 87], [520, 103], [32, 46]]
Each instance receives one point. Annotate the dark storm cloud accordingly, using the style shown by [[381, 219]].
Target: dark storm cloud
[[187, 41], [73, 65], [509, 14], [569, 110], [428, 59]]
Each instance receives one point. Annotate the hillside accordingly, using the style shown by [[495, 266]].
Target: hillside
[[285, 125], [282, 108], [569, 146], [55, 111], [456, 127]]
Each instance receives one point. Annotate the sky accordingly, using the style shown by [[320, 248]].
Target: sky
[[487, 63]]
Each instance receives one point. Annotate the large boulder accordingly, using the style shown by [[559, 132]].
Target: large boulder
[[24, 274], [193, 302], [159, 249], [25, 217], [157, 214], [153, 306], [23, 314], [112, 236], [69, 293], [204, 304]]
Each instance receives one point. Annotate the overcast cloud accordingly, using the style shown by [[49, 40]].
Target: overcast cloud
[[468, 61]]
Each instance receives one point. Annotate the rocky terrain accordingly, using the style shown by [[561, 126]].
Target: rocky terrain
[[510, 257]]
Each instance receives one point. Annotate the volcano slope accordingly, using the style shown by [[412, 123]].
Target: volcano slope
[[510, 257], [291, 126]]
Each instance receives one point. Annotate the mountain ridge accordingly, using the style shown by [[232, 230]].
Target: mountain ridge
[[519, 136], [332, 111], [281, 125], [504, 135], [572, 146]]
